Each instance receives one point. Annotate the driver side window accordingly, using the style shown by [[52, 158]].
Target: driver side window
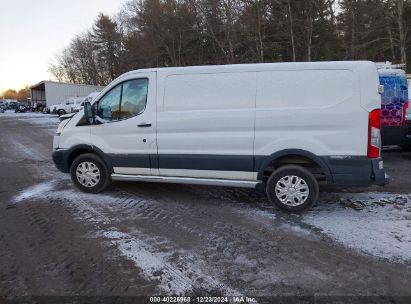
[[109, 106], [124, 101]]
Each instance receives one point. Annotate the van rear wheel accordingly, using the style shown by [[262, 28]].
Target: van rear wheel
[[89, 173], [292, 188]]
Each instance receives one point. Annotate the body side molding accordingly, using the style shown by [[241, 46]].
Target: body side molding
[[186, 180]]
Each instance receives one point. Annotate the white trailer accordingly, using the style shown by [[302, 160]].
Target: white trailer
[[51, 93]]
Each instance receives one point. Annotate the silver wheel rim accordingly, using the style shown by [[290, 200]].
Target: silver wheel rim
[[292, 190], [88, 174]]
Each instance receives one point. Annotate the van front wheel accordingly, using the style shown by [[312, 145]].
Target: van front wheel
[[89, 173], [292, 188]]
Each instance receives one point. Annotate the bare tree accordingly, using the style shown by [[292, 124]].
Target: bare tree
[[150, 33], [398, 14], [291, 20]]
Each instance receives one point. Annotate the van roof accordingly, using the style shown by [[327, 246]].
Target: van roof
[[262, 66]]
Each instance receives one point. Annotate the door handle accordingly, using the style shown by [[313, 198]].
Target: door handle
[[144, 125]]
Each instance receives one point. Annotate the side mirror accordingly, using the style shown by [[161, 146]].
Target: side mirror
[[89, 113]]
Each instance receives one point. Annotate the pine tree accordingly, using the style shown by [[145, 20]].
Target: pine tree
[[107, 41]]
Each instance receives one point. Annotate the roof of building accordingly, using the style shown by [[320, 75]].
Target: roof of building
[[41, 84]]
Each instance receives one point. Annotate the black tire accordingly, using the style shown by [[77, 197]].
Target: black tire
[[61, 112], [309, 182], [98, 184]]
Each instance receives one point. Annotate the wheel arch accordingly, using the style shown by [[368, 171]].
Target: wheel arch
[[78, 150], [266, 162]]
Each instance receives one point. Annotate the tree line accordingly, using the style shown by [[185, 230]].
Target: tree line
[[20, 95], [164, 33]]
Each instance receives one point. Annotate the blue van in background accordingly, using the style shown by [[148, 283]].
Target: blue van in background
[[394, 104]]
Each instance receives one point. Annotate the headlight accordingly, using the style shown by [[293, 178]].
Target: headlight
[[61, 126]]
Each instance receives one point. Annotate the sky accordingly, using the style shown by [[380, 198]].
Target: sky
[[32, 32]]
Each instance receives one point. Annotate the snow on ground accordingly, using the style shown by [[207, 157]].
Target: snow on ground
[[29, 115], [34, 191], [381, 225], [378, 224], [156, 265], [46, 120], [27, 151]]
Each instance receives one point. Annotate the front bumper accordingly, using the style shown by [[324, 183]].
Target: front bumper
[[60, 160]]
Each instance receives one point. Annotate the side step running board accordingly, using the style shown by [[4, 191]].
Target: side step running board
[[185, 180]]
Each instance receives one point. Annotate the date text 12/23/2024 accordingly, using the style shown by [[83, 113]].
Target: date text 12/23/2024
[[235, 299]]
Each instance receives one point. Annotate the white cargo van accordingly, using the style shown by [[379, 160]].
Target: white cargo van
[[285, 126]]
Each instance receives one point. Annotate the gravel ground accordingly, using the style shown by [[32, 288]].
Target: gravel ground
[[147, 239]]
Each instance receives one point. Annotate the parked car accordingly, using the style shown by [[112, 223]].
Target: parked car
[[77, 105], [11, 105], [66, 106], [53, 109], [234, 125], [394, 106], [21, 109], [89, 98]]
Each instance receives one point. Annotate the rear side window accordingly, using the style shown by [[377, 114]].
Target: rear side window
[[124, 101]]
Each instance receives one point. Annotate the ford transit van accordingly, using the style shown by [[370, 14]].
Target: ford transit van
[[285, 126]]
